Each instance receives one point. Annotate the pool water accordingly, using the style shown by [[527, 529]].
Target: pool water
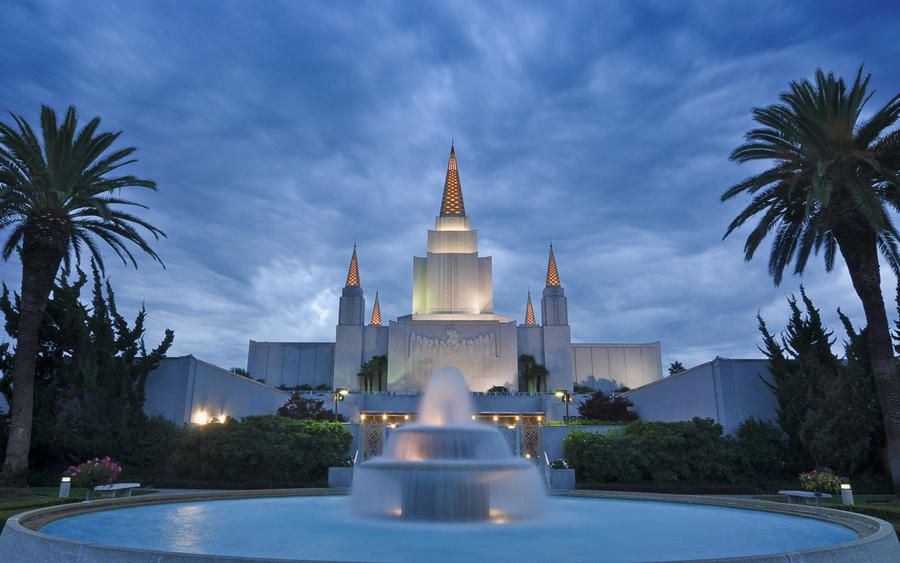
[[571, 529]]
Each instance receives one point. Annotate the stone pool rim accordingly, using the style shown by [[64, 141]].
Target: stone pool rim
[[21, 536]]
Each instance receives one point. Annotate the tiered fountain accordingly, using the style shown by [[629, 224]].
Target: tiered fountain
[[447, 467], [445, 482]]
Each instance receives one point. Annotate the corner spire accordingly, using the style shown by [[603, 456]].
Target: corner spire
[[452, 202], [376, 312], [552, 274], [353, 274], [529, 313]]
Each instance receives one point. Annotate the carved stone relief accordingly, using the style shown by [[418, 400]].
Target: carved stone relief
[[481, 346]]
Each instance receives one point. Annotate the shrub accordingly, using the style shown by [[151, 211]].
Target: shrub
[[498, 389], [94, 472], [585, 422], [262, 448], [820, 482], [300, 407], [653, 451], [604, 407], [763, 453], [154, 442], [599, 457], [678, 451], [582, 389]]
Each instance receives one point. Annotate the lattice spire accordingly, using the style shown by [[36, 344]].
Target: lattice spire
[[529, 313], [376, 312], [452, 202], [552, 274], [353, 274]]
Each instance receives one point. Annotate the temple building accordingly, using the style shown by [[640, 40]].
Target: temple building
[[452, 322]]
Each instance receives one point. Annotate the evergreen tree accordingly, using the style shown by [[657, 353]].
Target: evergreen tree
[[827, 406], [91, 369]]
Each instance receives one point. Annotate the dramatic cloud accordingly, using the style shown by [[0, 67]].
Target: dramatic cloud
[[280, 133]]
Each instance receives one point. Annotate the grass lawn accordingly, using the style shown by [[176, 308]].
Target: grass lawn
[[870, 505], [47, 496]]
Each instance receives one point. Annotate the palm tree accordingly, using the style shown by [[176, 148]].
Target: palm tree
[[57, 195], [675, 367], [371, 373], [530, 370], [833, 180]]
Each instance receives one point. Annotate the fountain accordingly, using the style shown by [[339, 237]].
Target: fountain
[[446, 489], [447, 467]]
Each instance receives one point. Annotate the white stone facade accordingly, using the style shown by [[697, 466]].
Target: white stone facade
[[452, 322]]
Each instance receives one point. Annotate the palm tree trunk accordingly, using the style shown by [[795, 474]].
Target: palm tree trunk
[[40, 262], [861, 255]]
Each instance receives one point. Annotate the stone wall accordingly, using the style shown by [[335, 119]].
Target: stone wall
[[291, 364], [182, 388], [725, 390]]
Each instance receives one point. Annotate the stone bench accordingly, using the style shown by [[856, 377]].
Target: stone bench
[[794, 497], [117, 490]]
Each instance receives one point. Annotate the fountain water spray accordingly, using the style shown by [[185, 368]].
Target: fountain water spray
[[447, 467]]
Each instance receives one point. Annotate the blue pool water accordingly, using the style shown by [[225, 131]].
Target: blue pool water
[[572, 529]]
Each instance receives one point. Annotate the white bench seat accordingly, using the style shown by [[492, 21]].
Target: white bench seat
[[794, 497], [117, 489]]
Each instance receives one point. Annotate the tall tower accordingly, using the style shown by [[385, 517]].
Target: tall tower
[[452, 321], [452, 278], [554, 308], [557, 335], [348, 348], [353, 305]]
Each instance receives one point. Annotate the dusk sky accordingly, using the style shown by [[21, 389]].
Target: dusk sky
[[281, 132]]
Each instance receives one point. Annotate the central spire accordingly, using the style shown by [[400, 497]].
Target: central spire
[[452, 202], [353, 273], [552, 274]]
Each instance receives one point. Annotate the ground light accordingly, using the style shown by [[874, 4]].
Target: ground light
[[846, 491], [339, 395], [65, 486]]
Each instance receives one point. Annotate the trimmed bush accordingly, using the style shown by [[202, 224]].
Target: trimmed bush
[[694, 451], [262, 448], [762, 452]]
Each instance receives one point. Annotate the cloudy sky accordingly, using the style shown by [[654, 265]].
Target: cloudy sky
[[281, 132]]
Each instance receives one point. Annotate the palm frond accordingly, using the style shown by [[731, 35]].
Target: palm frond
[[69, 176]]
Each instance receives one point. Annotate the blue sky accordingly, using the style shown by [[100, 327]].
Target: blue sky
[[281, 132]]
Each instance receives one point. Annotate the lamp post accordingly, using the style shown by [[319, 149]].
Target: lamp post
[[564, 395], [339, 395]]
